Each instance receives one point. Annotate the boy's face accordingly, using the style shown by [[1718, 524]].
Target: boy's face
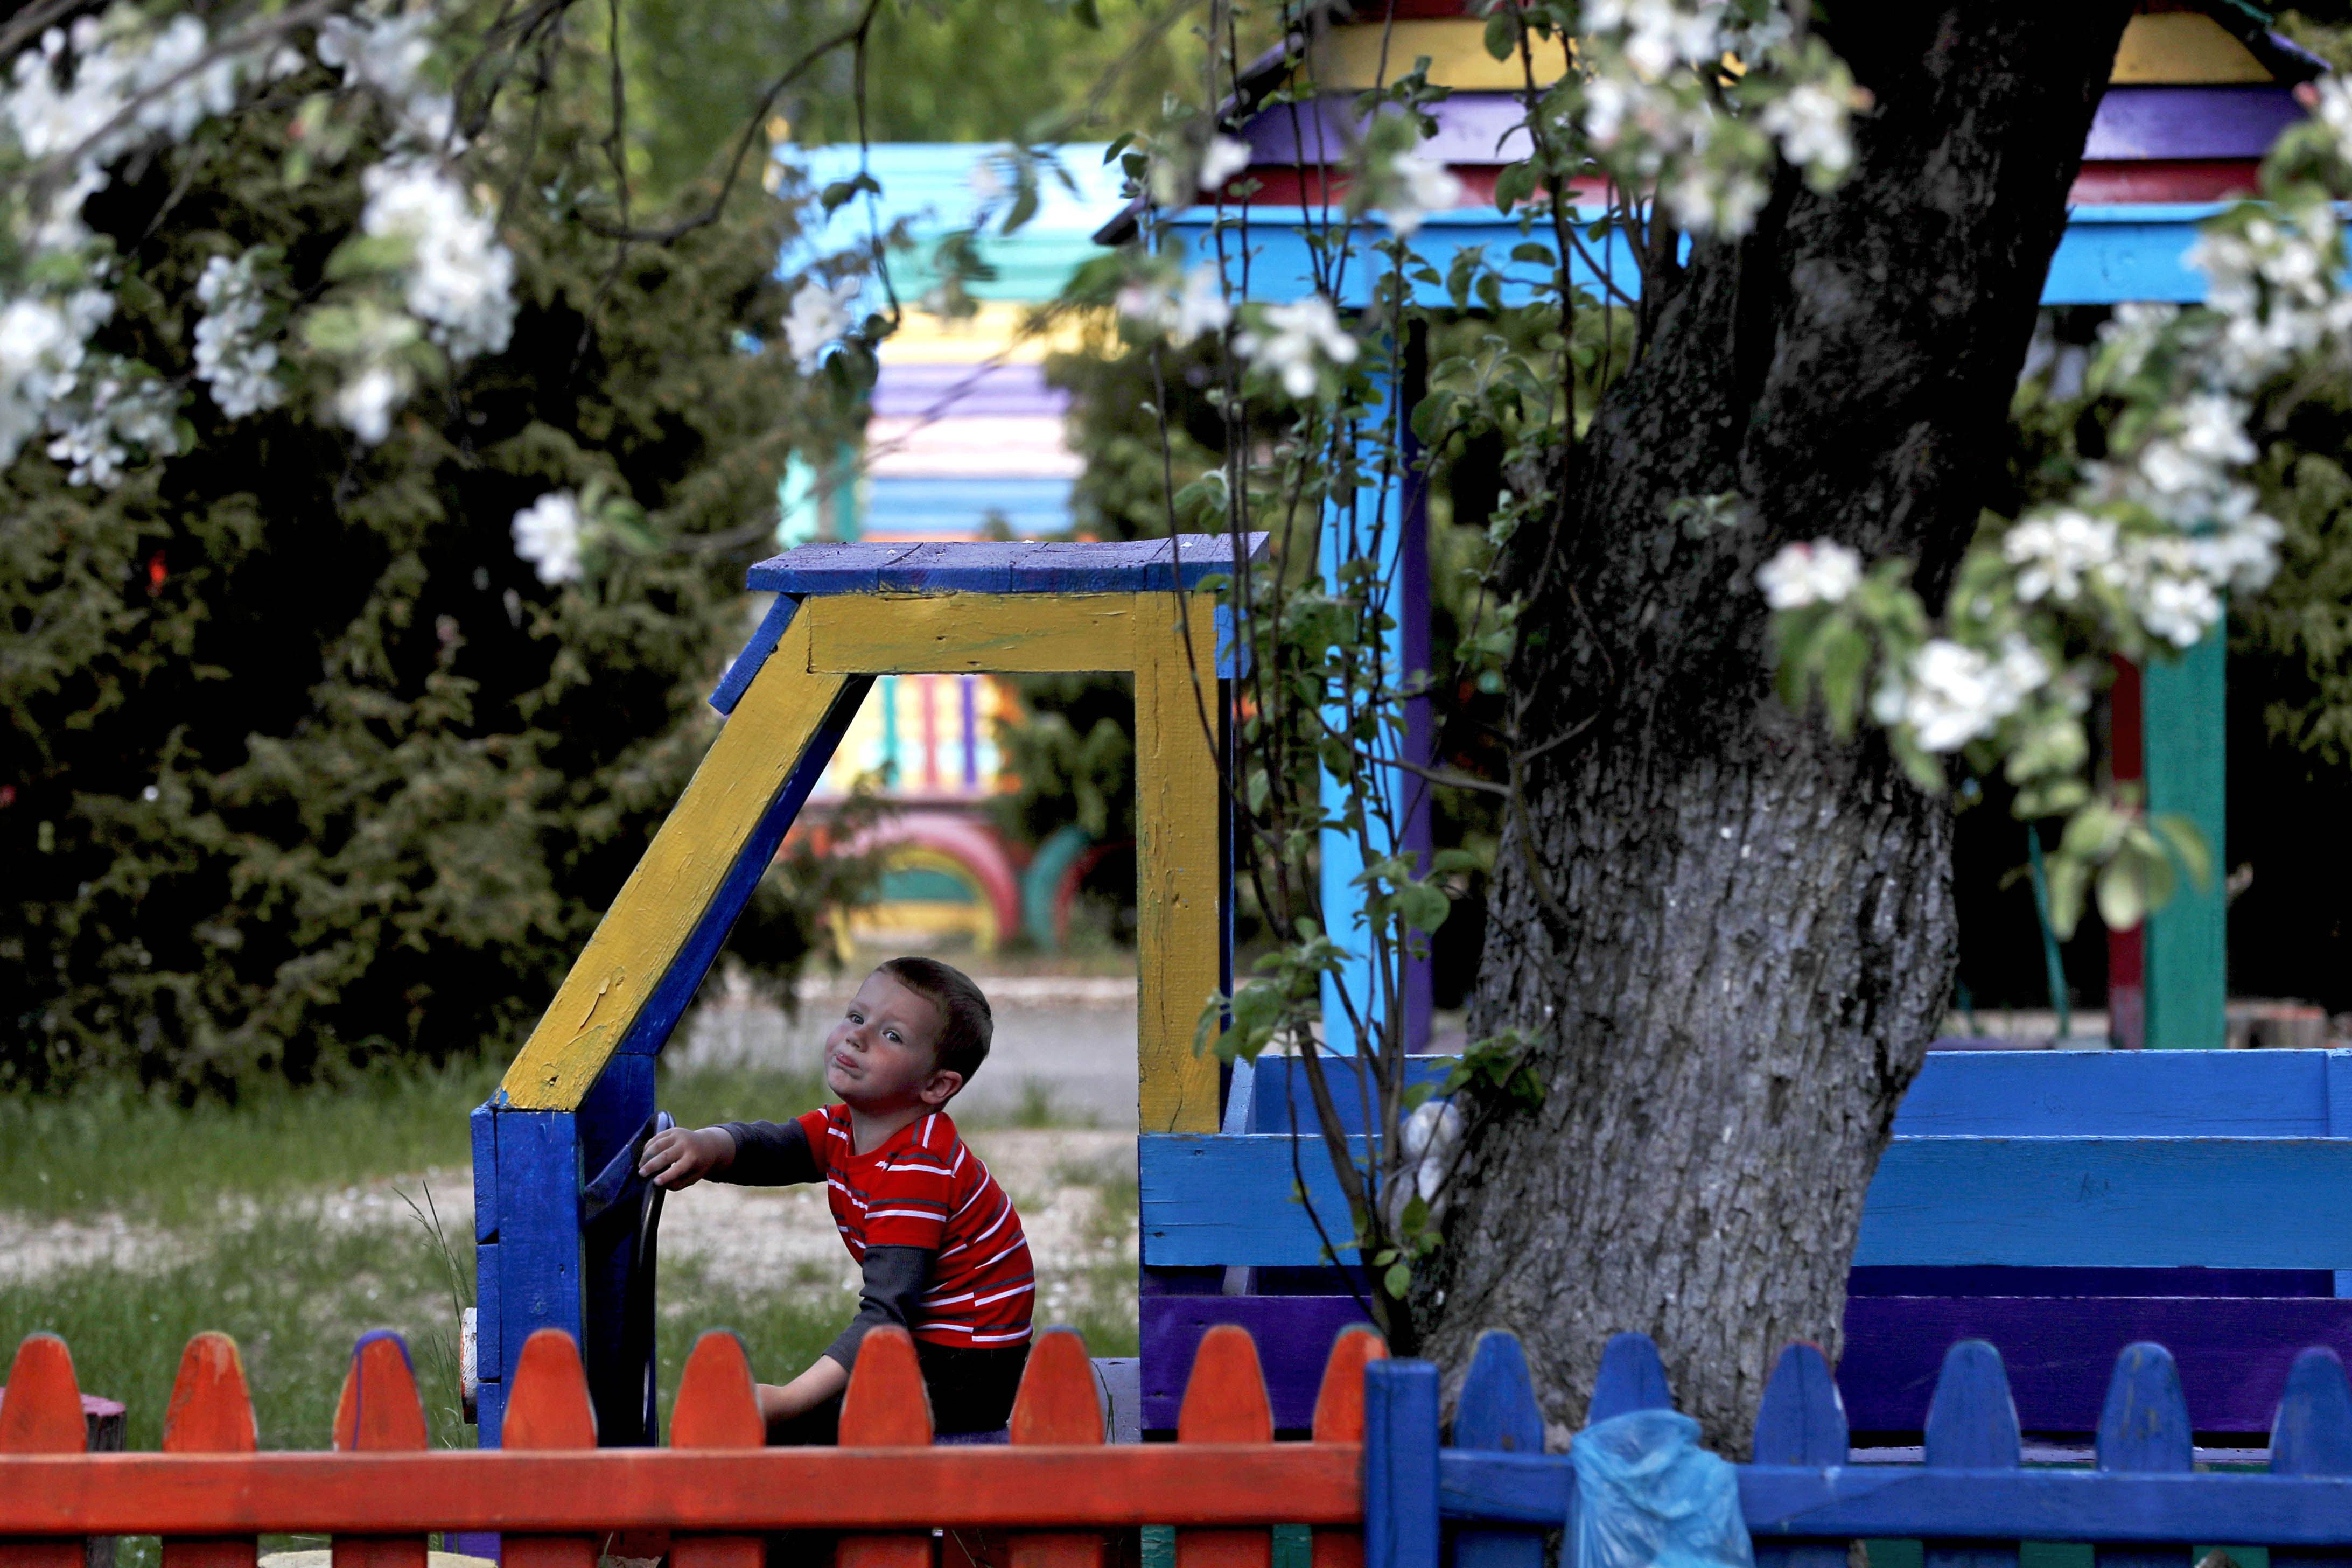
[[883, 1055]]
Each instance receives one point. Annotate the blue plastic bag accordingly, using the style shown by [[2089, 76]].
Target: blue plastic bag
[[1647, 1496]]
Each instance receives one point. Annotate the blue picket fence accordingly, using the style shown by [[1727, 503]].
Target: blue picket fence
[[1493, 1494]]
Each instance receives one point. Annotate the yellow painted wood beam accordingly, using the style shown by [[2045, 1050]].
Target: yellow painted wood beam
[[647, 925], [1348, 56], [958, 633], [2182, 49], [1178, 931]]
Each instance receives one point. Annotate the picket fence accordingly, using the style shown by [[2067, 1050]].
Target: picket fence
[[1046, 1499], [1496, 1494]]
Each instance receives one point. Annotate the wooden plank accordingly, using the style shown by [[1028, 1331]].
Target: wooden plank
[[1354, 57], [489, 1344], [2339, 1118], [540, 1251], [2314, 1437], [1497, 1412], [210, 1412], [2144, 1427], [1206, 1485], [1293, 1334], [982, 566], [825, 569], [2174, 123], [698, 854], [1801, 1422], [1972, 1426], [1179, 930], [964, 633], [1631, 1378], [1224, 1402], [378, 1414], [548, 1408], [1057, 1405], [886, 1407], [2182, 46], [2232, 1354], [41, 1413], [1339, 1418], [717, 1407], [2188, 775], [1113, 567], [746, 665], [2264, 1094], [1404, 1466]]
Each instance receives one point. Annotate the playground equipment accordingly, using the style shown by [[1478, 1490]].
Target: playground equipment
[[582, 1086]]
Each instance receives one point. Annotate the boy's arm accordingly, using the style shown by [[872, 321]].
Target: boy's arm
[[894, 1279], [769, 1154]]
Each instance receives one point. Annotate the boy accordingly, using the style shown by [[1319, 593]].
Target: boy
[[939, 1241]]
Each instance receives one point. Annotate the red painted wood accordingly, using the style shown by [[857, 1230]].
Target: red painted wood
[[1224, 1402], [2128, 950], [1058, 1404], [1339, 1418], [210, 1412], [549, 1408], [717, 1407], [379, 1413], [41, 1414], [886, 1407], [1114, 1485]]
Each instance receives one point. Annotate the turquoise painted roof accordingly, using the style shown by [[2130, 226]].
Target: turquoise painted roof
[[939, 187]]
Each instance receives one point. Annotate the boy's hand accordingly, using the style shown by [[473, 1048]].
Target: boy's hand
[[681, 1156]]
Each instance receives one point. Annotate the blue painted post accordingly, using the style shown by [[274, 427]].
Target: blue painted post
[[1401, 1465], [608, 1119], [2143, 1428], [1801, 1422], [2312, 1436], [1972, 1425], [2338, 1080], [1497, 1412], [1632, 1377], [539, 1239]]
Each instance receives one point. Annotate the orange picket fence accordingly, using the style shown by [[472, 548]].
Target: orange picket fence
[[1050, 1497]]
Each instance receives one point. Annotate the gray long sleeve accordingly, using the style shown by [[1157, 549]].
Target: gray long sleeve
[[894, 1279], [770, 1154]]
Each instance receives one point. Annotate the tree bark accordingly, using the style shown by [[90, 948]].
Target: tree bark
[[1731, 936]]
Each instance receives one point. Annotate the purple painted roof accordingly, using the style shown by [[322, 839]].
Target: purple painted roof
[[2133, 123], [968, 390]]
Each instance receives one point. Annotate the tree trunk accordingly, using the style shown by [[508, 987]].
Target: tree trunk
[[1731, 936]]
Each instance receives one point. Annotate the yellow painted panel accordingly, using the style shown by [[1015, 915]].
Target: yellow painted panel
[[1347, 59], [2181, 49], [997, 332], [885, 635], [1178, 926], [658, 908]]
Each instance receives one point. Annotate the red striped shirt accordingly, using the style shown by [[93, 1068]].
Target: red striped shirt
[[925, 1187]]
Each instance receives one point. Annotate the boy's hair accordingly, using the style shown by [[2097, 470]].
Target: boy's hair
[[966, 1023]]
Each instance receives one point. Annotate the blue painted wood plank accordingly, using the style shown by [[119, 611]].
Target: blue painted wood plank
[[982, 566], [1497, 1412], [2339, 1125], [614, 1110], [489, 1348], [2144, 1427], [651, 1028], [824, 569], [1631, 1378], [1801, 1422], [1282, 1091], [2147, 1203], [2264, 1094], [1237, 1096], [1114, 566], [1401, 1465], [538, 1242], [746, 664], [1971, 1425], [2232, 1355], [482, 1126], [2312, 1434]]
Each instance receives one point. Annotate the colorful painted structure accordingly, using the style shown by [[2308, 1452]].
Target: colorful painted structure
[[965, 441], [581, 1089]]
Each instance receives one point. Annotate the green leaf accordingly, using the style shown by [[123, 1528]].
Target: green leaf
[[1422, 907], [1502, 35], [1397, 1281]]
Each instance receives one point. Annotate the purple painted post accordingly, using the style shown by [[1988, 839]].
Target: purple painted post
[[969, 683]]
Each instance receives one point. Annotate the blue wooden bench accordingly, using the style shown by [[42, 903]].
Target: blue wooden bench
[[1493, 1494], [2059, 1205]]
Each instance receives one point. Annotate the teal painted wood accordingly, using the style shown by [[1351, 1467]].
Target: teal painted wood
[[1401, 1465], [2188, 939], [1135, 566], [2107, 255], [1211, 1201], [1801, 1421], [1497, 1412], [1971, 1425], [1631, 1378], [2144, 1427]]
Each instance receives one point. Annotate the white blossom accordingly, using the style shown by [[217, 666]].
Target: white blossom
[[547, 536], [1809, 123], [2055, 550], [1427, 1142], [1418, 185], [366, 401], [459, 280], [387, 56], [819, 317], [231, 357], [1193, 308], [112, 416], [1956, 694], [1299, 339], [1822, 573], [1220, 160], [41, 349]]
